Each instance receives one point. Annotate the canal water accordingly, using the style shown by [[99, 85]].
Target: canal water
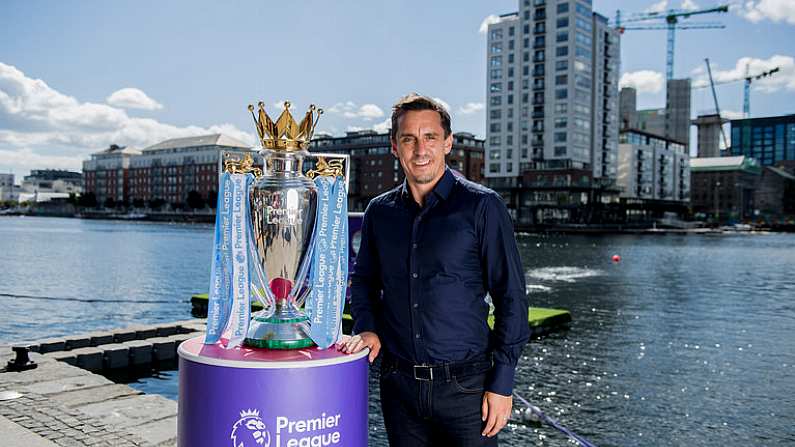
[[688, 340]]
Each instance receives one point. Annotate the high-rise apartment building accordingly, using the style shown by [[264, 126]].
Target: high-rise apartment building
[[552, 89]]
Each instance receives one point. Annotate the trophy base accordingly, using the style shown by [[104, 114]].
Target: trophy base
[[279, 333]]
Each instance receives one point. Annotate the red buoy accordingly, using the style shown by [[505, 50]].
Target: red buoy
[[616, 258]]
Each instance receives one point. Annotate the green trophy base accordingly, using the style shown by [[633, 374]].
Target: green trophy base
[[283, 330]]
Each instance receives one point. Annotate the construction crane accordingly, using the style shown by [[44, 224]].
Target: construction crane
[[748, 78], [715, 98], [671, 18]]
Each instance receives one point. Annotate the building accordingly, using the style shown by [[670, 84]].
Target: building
[[106, 175], [7, 191], [677, 111], [774, 197], [709, 134], [671, 122], [552, 89], [628, 108], [374, 169], [165, 173], [170, 171], [652, 168], [771, 140], [722, 188], [53, 181]]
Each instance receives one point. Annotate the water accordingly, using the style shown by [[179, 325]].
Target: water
[[688, 340]]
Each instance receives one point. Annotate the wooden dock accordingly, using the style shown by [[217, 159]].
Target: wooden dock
[[64, 402]]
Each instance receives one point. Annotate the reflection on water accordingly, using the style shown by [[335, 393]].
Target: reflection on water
[[688, 340]]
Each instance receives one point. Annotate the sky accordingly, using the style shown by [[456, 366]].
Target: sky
[[76, 77]]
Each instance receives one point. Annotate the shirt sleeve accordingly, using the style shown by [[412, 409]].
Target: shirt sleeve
[[504, 279], [366, 280]]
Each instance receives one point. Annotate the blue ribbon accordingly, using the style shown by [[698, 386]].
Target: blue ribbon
[[329, 267], [229, 300], [219, 300]]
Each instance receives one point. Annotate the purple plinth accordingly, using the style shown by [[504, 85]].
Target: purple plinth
[[271, 398]]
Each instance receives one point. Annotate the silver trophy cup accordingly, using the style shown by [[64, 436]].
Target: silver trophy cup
[[283, 207]]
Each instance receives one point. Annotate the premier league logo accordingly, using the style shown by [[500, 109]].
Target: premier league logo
[[250, 431]]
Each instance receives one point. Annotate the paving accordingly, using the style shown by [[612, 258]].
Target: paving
[[63, 402]]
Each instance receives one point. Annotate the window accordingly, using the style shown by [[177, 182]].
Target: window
[[509, 141], [583, 38], [494, 168], [496, 73], [526, 56], [583, 10], [510, 44], [509, 127], [510, 72], [510, 99], [560, 151], [494, 141], [496, 34], [495, 155], [562, 65], [562, 51], [538, 56], [496, 47], [540, 41], [495, 114], [510, 31], [540, 28], [496, 100], [563, 8], [510, 58], [560, 137], [561, 80], [563, 22], [510, 86], [583, 53], [495, 87], [560, 123], [583, 24], [561, 108], [562, 36], [496, 61], [495, 127], [525, 70], [561, 93]]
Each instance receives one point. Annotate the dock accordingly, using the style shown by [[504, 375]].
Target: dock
[[65, 401], [542, 321]]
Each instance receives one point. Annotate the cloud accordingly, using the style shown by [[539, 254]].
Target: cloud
[[689, 5], [132, 98], [349, 109], [383, 126], [660, 6], [443, 103], [774, 10], [42, 125], [489, 20], [471, 107], [784, 79], [644, 81]]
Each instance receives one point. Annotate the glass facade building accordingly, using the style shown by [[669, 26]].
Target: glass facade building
[[770, 140]]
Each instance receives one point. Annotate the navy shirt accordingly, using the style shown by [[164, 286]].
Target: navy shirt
[[422, 274]]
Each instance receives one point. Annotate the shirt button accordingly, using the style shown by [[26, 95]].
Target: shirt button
[[416, 305], [413, 245], [416, 335], [414, 275]]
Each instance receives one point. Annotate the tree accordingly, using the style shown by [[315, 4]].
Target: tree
[[156, 203], [195, 200], [110, 203], [88, 200], [138, 202]]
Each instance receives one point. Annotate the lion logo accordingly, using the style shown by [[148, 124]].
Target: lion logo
[[250, 431]]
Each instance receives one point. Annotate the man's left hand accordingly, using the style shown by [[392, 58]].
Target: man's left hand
[[496, 412]]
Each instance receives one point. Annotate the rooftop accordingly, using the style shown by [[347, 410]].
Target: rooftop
[[217, 139], [740, 162]]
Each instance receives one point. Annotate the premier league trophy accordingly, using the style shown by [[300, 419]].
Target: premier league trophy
[[281, 238]]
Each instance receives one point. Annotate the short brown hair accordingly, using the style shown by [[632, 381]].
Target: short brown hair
[[415, 101]]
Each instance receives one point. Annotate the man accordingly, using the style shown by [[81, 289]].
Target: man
[[431, 249]]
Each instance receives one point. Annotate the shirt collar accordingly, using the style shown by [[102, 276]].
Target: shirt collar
[[442, 189]]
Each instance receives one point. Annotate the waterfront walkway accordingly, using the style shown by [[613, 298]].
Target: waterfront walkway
[[60, 403]]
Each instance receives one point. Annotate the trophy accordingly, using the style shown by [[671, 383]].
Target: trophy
[[292, 254]]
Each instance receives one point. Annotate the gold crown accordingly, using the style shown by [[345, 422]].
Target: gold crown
[[285, 134]]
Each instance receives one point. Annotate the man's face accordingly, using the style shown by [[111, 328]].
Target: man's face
[[421, 146]]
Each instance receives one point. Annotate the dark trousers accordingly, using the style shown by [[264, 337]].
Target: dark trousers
[[445, 411]]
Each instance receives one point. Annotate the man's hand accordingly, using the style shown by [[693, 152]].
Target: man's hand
[[352, 345], [496, 412]]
